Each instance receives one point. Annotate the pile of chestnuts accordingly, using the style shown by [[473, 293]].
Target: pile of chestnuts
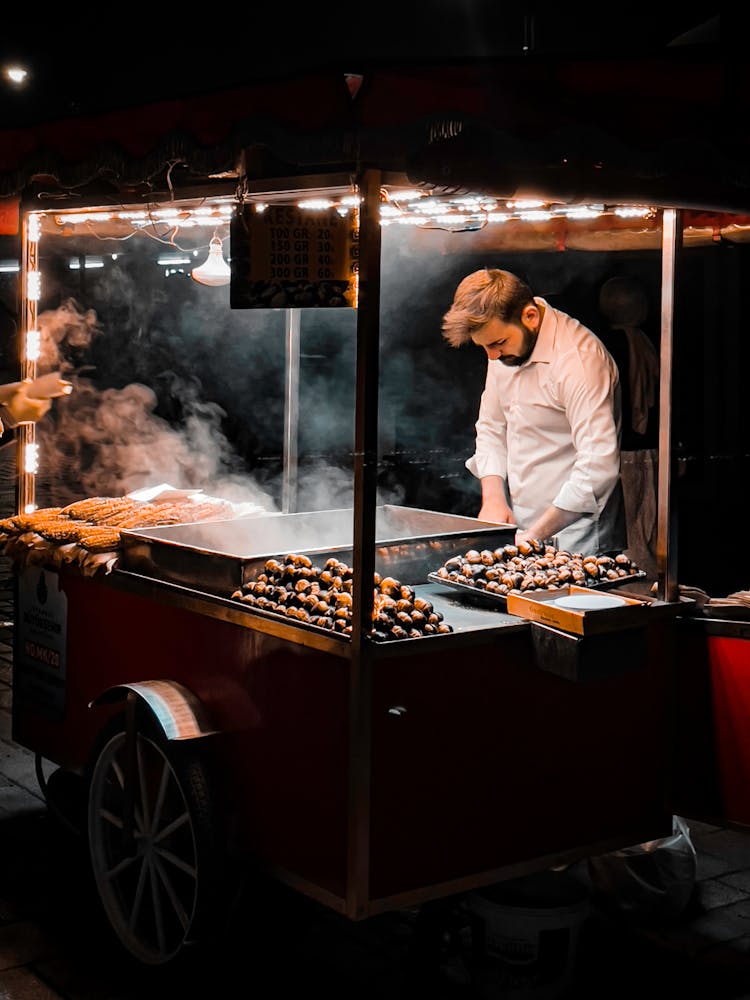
[[533, 565], [322, 596]]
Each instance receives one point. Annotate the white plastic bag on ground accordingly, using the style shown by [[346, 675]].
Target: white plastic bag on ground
[[649, 883]]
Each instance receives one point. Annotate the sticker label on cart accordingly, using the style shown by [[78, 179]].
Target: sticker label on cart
[[39, 655]]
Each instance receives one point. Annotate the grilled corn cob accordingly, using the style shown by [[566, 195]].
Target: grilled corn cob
[[99, 538]]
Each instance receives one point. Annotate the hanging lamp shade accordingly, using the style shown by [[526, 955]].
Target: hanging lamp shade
[[214, 270]]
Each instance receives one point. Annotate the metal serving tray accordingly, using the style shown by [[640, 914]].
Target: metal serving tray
[[219, 556], [499, 600]]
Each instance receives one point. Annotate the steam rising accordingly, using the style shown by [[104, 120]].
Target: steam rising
[[65, 333], [111, 441]]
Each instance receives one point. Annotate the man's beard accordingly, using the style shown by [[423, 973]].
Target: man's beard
[[529, 340]]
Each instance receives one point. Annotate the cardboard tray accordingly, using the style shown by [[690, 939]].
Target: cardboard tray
[[542, 608]]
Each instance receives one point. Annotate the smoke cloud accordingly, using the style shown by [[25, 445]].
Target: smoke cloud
[[107, 440]]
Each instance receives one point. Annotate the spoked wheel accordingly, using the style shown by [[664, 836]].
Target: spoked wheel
[[153, 845]]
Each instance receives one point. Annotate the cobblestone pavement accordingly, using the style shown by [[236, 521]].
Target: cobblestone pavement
[[55, 943]]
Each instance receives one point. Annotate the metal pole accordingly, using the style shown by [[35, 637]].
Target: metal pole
[[291, 413], [26, 433], [666, 531], [365, 500]]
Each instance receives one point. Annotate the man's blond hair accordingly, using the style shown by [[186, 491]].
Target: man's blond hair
[[480, 297]]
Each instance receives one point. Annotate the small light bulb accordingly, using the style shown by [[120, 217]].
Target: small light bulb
[[15, 74], [214, 270]]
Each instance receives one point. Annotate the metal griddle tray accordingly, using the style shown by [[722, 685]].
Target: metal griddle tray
[[499, 600], [220, 556]]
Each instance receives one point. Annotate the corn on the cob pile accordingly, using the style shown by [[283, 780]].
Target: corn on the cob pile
[[90, 529]]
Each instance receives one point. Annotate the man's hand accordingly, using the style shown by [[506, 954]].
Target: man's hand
[[526, 536], [495, 507], [24, 409], [496, 512]]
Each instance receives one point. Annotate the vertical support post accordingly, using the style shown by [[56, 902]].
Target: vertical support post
[[666, 530], [364, 533], [289, 491], [26, 433]]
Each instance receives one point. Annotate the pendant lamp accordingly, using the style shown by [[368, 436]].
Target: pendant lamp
[[214, 270]]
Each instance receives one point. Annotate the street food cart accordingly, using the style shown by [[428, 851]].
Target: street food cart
[[368, 772]]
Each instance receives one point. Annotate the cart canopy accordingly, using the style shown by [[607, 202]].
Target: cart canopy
[[660, 128]]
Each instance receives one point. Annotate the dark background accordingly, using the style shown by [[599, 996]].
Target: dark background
[[83, 62]]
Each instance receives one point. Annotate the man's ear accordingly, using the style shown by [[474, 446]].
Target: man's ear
[[531, 317]]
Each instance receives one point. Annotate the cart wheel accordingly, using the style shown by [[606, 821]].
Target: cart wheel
[[153, 844]]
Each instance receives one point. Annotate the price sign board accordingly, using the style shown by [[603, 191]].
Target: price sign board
[[287, 257], [39, 673]]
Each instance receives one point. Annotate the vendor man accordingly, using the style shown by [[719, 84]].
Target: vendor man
[[548, 433]]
